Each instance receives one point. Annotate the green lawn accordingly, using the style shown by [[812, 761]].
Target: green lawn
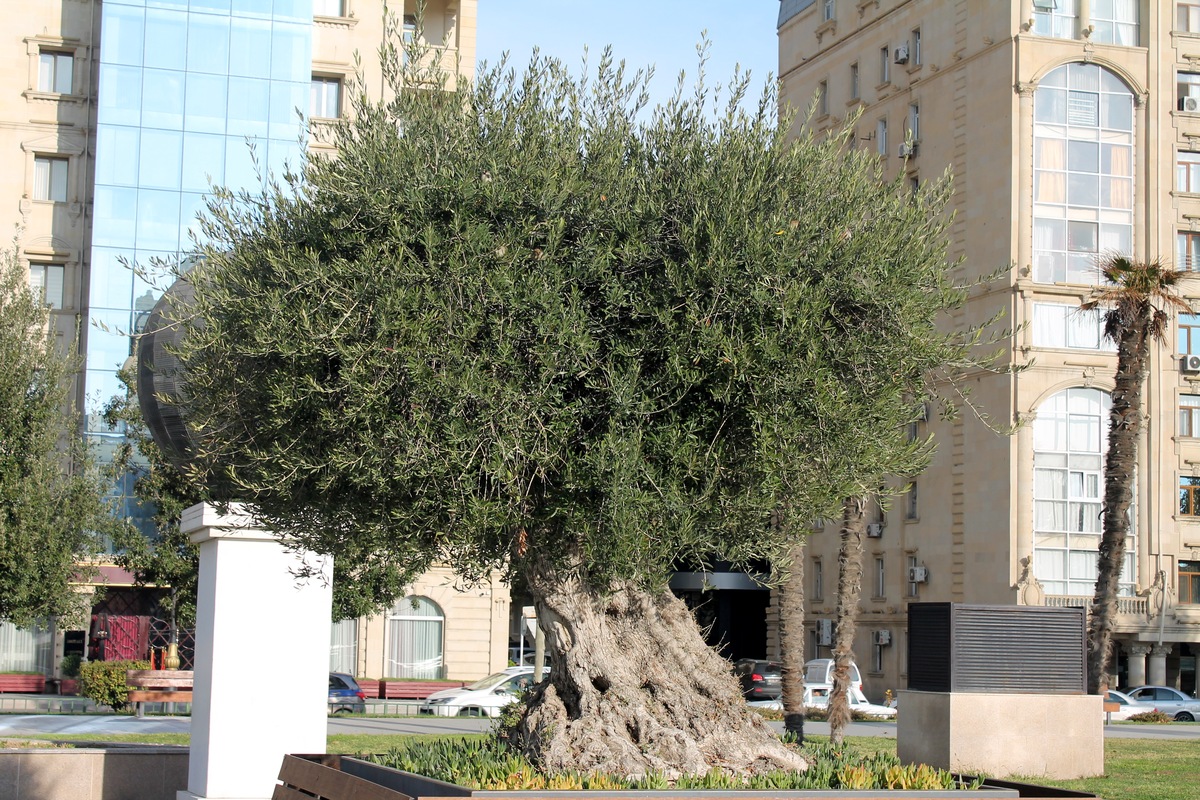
[[1136, 769]]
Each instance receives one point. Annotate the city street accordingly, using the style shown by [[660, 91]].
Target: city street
[[42, 724]]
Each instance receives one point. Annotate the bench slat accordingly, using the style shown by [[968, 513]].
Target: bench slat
[[330, 783], [160, 696]]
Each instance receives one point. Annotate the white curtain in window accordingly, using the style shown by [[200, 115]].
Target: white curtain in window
[[1048, 325], [343, 646], [415, 632], [25, 649]]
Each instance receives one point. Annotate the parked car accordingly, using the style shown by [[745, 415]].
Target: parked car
[[1182, 707], [1128, 706], [484, 698], [819, 672], [818, 697], [760, 678], [345, 696]]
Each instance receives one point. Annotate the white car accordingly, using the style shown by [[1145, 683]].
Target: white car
[[483, 698], [1128, 706], [818, 697], [1182, 707]]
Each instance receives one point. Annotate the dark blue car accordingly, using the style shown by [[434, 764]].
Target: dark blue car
[[345, 697]]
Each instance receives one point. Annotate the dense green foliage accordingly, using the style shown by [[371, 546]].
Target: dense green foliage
[[103, 682], [51, 500], [488, 764], [532, 321]]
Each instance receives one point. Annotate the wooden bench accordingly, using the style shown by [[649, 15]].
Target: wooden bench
[[1109, 708], [158, 686], [320, 777], [414, 689]]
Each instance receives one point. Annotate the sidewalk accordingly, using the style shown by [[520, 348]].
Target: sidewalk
[[13, 703]]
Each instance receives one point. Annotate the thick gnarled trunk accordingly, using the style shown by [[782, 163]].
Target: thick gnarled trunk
[[850, 556], [791, 643], [634, 689], [1120, 463]]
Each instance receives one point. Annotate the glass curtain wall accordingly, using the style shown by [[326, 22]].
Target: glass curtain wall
[[192, 94]]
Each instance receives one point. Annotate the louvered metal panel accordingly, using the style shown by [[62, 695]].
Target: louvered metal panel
[[1018, 649]]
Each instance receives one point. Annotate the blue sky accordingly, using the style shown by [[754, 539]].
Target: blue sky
[[659, 32]]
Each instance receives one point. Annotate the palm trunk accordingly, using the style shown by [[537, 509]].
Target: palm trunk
[[850, 556], [634, 689], [791, 643], [1133, 350]]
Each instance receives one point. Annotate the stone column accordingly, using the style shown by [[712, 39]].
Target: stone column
[[1137, 663], [262, 657], [1158, 664]]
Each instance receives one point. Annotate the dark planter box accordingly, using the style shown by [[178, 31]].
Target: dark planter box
[[336, 777], [28, 684]]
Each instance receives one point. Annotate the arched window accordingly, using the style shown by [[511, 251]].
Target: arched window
[[1070, 435], [415, 631], [343, 646], [1082, 172]]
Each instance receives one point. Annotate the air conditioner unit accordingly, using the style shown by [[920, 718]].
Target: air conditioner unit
[[1189, 364], [917, 574], [881, 637], [902, 54], [908, 150], [874, 530], [1189, 104], [825, 632]]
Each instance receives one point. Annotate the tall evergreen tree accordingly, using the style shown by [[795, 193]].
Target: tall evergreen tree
[[51, 500], [534, 326], [1137, 300]]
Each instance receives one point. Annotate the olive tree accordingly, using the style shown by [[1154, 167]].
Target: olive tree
[[535, 326]]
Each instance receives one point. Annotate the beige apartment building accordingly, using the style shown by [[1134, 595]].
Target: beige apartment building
[[116, 119], [1072, 128]]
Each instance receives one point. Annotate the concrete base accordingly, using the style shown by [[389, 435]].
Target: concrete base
[[1003, 735], [261, 635]]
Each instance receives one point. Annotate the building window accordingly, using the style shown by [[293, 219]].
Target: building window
[[1064, 326], [885, 64], [1070, 435], [329, 8], [1187, 171], [818, 579], [55, 71], [823, 98], [881, 137], [876, 657], [880, 585], [326, 98], [1189, 415], [1056, 18], [50, 179], [914, 57], [910, 563], [914, 122], [1189, 496], [415, 636], [910, 501], [343, 646], [46, 283], [1189, 334], [1187, 17], [1082, 172], [1189, 582], [854, 90], [1114, 22], [828, 10], [1187, 91], [1187, 251]]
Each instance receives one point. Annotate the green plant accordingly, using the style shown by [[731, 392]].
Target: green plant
[[1155, 716], [70, 665], [103, 682]]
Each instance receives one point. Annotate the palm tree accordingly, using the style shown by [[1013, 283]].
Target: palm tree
[[791, 641], [1138, 300]]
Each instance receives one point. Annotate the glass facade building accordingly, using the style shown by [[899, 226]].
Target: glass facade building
[[192, 94]]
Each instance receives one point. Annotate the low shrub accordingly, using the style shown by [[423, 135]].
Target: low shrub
[[103, 682], [1155, 716], [70, 665], [489, 765]]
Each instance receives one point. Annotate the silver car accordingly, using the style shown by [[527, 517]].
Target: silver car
[[1169, 701]]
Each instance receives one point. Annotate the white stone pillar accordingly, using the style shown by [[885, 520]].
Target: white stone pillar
[[262, 657], [1137, 664], [1158, 664]]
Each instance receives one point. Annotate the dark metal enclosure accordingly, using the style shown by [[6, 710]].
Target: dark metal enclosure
[[954, 647]]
